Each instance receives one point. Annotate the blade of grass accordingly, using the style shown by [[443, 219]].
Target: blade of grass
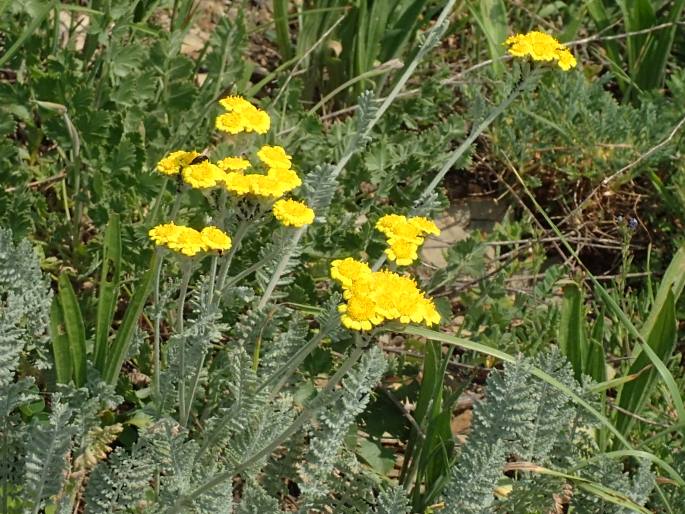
[[109, 288], [39, 16], [75, 329], [60, 344], [280, 10], [572, 338], [661, 340], [491, 17], [117, 353]]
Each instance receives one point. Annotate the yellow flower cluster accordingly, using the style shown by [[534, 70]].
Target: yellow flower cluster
[[189, 241], [173, 163], [293, 213], [229, 172], [541, 47], [405, 236], [242, 116], [279, 178], [376, 296]]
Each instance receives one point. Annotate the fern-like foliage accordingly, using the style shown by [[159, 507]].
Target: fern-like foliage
[[46, 454], [319, 187], [610, 473], [281, 245], [392, 500], [521, 416], [25, 299], [120, 483], [335, 420]]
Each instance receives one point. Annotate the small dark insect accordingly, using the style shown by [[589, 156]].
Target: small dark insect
[[632, 223], [199, 159]]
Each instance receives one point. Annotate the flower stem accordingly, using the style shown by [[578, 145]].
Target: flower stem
[[156, 346], [226, 264], [305, 416], [179, 332]]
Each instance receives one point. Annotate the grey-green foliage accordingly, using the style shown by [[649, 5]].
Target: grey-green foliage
[[610, 473], [392, 500], [46, 453], [579, 130], [520, 416], [281, 244], [335, 421], [25, 299], [120, 482]]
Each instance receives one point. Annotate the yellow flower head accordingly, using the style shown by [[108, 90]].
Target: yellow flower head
[[264, 186], [386, 224], [235, 103], [359, 313], [424, 225], [373, 297], [566, 60], [242, 116], [231, 122], [348, 271], [233, 164], [293, 213], [256, 120], [237, 183], [540, 47], [188, 241], [402, 252], [274, 157], [203, 175], [286, 178], [175, 161], [163, 234], [215, 238]]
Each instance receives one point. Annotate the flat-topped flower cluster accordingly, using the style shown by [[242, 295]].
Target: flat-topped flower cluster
[[541, 47], [373, 297], [189, 241], [404, 236], [273, 178]]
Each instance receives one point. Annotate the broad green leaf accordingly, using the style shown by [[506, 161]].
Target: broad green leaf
[[75, 329], [595, 364], [60, 344], [109, 289], [572, 338], [661, 340], [117, 351]]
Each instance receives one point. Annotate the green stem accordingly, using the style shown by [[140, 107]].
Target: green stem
[[179, 332], [157, 336], [289, 368], [196, 377], [305, 416], [225, 266]]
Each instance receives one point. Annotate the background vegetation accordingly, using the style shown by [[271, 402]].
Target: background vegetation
[[555, 381]]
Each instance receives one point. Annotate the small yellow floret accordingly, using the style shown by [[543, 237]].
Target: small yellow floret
[[293, 213], [203, 175], [231, 122], [348, 271], [163, 234], [402, 252], [172, 163], [256, 120], [233, 164], [235, 103], [274, 157], [215, 238]]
